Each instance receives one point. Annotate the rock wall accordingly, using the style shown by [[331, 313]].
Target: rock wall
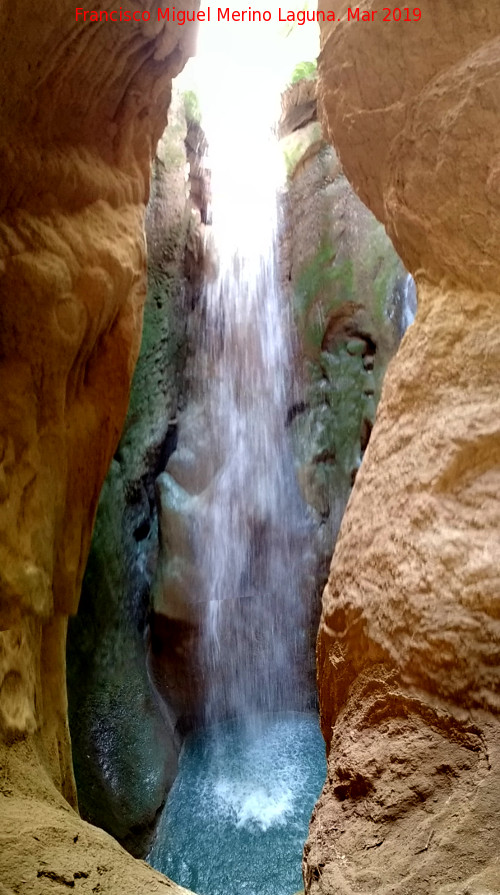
[[81, 109], [125, 746], [349, 293], [409, 638]]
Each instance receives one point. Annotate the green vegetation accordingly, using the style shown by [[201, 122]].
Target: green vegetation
[[192, 107], [340, 389], [343, 299], [304, 70], [381, 267], [339, 405], [322, 286]]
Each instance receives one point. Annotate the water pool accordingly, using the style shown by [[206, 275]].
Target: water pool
[[237, 817]]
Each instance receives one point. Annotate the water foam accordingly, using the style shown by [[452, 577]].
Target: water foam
[[236, 819], [248, 804]]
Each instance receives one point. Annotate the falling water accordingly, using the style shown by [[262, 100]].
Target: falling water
[[252, 538], [405, 303], [409, 303], [236, 819]]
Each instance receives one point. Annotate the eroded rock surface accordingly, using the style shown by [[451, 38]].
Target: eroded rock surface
[[409, 639], [125, 747], [81, 109], [349, 294]]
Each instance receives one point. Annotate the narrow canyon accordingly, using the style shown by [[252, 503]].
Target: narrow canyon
[[215, 378]]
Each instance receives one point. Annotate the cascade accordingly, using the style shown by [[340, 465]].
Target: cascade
[[236, 818], [409, 304], [251, 546], [403, 304]]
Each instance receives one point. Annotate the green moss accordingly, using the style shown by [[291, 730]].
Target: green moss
[[122, 761], [338, 382], [124, 754], [339, 391], [343, 306], [317, 278], [170, 149], [381, 267], [322, 286], [156, 379], [172, 155]]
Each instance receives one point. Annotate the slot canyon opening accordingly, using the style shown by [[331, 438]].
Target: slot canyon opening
[[274, 304], [409, 639], [238, 541]]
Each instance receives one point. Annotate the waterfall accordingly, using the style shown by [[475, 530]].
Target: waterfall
[[236, 818], [251, 541], [405, 303], [409, 303]]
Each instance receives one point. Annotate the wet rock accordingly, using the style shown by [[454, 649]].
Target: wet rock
[[124, 742], [343, 279]]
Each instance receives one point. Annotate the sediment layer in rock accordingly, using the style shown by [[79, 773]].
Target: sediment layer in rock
[[82, 107], [409, 639]]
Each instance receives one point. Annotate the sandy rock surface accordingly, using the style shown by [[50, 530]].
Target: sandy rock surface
[[409, 639], [44, 849], [81, 109]]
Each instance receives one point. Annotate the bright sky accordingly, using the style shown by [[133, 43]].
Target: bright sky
[[261, 45]]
